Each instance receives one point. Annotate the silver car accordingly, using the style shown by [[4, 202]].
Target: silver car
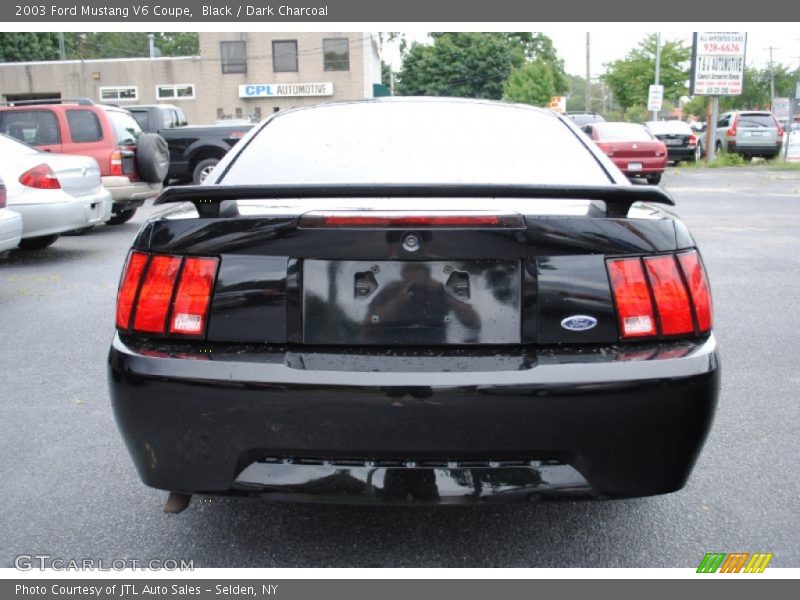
[[53, 193], [748, 132]]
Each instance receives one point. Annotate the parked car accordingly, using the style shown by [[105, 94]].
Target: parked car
[[632, 148], [750, 133], [132, 164], [10, 223], [678, 137], [194, 149], [583, 118], [54, 193], [438, 300]]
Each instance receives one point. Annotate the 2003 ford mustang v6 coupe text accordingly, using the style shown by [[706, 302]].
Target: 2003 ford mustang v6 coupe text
[[414, 300]]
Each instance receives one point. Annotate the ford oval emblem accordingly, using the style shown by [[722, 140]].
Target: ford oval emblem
[[579, 323]]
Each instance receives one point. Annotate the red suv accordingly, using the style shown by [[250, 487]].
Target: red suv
[[133, 164]]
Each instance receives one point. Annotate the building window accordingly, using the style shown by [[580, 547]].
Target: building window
[[284, 56], [234, 57], [257, 113], [178, 91], [336, 54], [119, 92]]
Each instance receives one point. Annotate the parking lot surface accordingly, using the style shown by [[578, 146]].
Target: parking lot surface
[[70, 490]]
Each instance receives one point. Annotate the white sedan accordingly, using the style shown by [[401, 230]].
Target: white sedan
[[54, 193], [10, 223]]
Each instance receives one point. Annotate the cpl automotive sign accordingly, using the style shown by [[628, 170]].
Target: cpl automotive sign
[[718, 63], [287, 90]]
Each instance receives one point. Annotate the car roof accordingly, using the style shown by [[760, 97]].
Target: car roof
[[135, 106]]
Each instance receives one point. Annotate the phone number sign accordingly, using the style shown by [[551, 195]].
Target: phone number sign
[[718, 63]]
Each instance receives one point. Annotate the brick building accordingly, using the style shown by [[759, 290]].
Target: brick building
[[236, 75]]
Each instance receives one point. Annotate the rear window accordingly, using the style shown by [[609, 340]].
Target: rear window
[[416, 142], [141, 117], [84, 126], [125, 126], [34, 127], [628, 132], [756, 120]]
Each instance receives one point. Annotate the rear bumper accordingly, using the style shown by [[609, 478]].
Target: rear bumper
[[649, 165], [10, 229], [606, 421], [765, 150], [674, 153], [128, 194], [60, 212]]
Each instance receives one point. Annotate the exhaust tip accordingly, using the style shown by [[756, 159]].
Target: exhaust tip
[[177, 502]]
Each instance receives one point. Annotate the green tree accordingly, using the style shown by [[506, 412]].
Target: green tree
[[110, 44], [28, 46], [631, 77], [475, 65], [537, 46], [178, 44], [386, 74], [463, 64], [532, 83]]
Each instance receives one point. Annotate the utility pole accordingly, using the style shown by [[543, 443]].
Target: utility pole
[[794, 104], [151, 41], [658, 68], [588, 103], [62, 50], [771, 79]]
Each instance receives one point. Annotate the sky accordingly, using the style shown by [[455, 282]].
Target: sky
[[613, 41]]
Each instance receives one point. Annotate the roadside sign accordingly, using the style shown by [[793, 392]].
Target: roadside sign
[[718, 63], [793, 148], [782, 109], [654, 97], [558, 104], [268, 90]]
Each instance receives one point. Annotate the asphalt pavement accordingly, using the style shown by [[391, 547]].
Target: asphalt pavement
[[69, 488]]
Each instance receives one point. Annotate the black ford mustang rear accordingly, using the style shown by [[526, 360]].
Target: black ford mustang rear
[[414, 301]]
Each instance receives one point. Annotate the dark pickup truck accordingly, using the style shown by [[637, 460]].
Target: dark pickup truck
[[194, 149]]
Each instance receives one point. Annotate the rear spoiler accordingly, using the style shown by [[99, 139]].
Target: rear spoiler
[[618, 198]]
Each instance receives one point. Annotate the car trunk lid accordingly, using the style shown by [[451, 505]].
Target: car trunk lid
[[78, 176]]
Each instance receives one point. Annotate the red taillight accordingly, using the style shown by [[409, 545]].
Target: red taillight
[[732, 129], [656, 285], [606, 147], [116, 163], [632, 296], [780, 132], [698, 288], [41, 177], [190, 309], [418, 220], [153, 291], [693, 140], [131, 276], [3, 196], [237, 135], [156, 294], [669, 292]]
